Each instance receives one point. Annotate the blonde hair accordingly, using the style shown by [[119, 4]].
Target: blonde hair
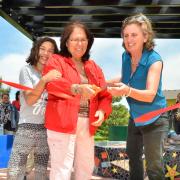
[[141, 20]]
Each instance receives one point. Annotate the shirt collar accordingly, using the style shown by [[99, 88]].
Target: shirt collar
[[144, 59]]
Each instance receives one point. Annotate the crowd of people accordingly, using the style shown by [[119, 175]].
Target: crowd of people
[[70, 99]]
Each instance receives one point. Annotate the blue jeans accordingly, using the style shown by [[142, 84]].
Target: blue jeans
[[149, 140]]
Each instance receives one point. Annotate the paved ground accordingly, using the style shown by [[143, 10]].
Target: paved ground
[[30, 177]]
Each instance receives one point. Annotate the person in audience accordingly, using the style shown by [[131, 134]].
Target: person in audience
[[9, 115], [16, 102], [175, 116]]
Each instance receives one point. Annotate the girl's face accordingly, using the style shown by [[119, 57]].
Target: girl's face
[[45, 51], [77, 43], [134, 38]]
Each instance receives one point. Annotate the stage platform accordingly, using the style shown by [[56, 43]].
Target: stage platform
[[112, 161], [3, 176]]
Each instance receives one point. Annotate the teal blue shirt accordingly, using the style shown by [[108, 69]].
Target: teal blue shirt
[[138, 81]]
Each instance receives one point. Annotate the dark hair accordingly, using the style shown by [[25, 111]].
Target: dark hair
[[33, 57], [3, 94], [17, 95], [65, 36]]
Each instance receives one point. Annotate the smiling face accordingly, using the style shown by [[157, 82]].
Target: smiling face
[[45, 51], [134, 38], [77, 43]]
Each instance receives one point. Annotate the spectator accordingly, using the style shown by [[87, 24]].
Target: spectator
[[175, 116], [16, 102], [9, 115]]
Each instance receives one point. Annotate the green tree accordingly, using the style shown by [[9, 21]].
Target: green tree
[[119, 116]]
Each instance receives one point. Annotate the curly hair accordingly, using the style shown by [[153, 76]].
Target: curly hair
[[33, 57], [65, 37], [145, 24]]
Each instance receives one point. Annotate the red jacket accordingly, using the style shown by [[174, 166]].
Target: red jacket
[[16, 104], [61, 112]]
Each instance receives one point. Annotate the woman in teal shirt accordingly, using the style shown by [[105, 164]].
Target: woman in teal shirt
[[141, 83]]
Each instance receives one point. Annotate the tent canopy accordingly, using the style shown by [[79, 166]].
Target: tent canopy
[[104, 17]]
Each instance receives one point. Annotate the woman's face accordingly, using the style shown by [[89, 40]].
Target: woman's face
[[134, 38], [45, 51], [77, 43]]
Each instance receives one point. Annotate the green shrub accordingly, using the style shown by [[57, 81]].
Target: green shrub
[[119, 116]]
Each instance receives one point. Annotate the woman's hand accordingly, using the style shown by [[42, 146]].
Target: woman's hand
[[51, 75], [118, 89], [114, 80], [100, 115], [87, 91]]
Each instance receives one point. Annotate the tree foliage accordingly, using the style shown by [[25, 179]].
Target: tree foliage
[[119, 116]]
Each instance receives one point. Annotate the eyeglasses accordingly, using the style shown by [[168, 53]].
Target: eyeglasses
[[83, 41]]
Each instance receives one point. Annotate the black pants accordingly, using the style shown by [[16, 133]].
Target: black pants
[[177, 127], [149, 140]]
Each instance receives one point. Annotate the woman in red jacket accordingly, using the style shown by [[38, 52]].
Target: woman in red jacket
[[16, 102], [77, 105]]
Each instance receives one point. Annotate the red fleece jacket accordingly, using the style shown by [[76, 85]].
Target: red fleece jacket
[[62, 107]]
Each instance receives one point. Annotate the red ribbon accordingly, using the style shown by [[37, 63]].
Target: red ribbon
[[152, 114], [18, 86], [25, 88], [140, 119]]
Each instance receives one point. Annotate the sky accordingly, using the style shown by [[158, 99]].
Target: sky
[[106, 52]]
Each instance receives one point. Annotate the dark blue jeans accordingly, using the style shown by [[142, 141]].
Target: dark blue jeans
[[149, 140]]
